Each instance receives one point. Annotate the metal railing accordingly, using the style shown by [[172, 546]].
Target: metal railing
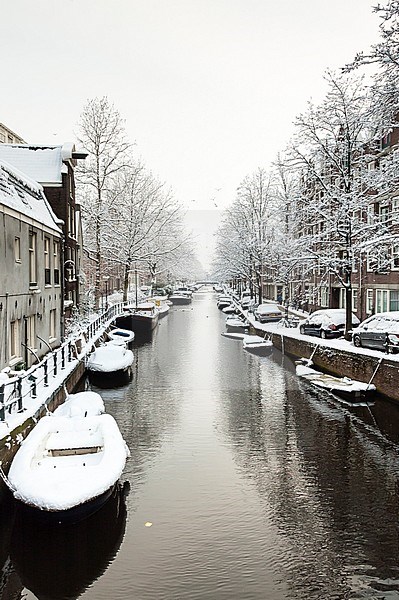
[[19, 391]]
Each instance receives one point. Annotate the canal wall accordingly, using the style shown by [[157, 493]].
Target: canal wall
[[379, 369]]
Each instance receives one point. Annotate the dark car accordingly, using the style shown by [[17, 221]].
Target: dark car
[[327, 323], [381, 332]]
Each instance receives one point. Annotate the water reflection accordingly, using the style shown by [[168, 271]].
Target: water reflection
[[60, 562], [256, 485]]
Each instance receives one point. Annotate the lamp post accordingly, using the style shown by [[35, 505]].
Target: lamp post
[[106, 279]]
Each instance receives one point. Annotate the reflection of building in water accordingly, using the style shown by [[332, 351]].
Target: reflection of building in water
[[320, 487], [56, 561]]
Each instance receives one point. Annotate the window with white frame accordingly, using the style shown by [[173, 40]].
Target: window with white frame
[[381, 301], [47, 271], [385, 214], [369, 301], [32, 258], [324, 296], [395, 209], [56, 262], [394, 300], [31, 331], [354, 300], [395, 258], [370, 214], [15, 339], [17, 249], [53, 323]]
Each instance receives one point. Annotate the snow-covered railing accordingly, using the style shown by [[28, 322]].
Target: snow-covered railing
[[21, 391]]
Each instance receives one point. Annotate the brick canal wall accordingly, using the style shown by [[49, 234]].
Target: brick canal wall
[[342, 363]]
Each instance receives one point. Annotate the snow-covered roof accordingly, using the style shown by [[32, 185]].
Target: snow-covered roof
[[25, 196], [41, 163]]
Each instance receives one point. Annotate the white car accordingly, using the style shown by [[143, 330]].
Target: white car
[[268, 312]]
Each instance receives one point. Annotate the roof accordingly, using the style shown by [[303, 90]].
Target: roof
[[41, 163], [25, 196]]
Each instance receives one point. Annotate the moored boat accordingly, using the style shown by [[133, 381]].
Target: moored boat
[[120, 336], [349, 389], [257, 345], [67, 467], [142, 319], [110, 363], [181, 295], [236, 324]]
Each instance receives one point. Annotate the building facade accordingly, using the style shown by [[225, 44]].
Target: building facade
[[53, 167], [30, 282]]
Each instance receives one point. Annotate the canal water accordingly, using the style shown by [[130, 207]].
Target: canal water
[[243, 483]]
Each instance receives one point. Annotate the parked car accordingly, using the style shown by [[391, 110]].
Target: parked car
[[268, 312], [327, 323], [381, 332]]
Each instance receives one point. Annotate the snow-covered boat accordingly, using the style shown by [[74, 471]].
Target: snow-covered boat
[[81, 404], [67, 467], [236, 324], [120, 336], [349, 389], [110, 363], [257, 345], [234, 335], [229, 310], [181, 295], [224, 302], [142, 319]]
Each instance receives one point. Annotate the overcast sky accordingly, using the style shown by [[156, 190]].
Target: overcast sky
[[208, 88]]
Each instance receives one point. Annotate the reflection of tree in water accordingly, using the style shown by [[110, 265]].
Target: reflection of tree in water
[[332, 492], [60, 561]]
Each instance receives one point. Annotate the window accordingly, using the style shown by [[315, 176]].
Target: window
[[381, 301], [395, 258], [31, 332], [10, 139], [53, 323], [17, 249], [324, 296], [395, 209], [354, 300], [370, 214], [394, 300], [47, 270], [369, 302], [384, 214], [15, 341], [56, 262], [2, 137], [32, 259]]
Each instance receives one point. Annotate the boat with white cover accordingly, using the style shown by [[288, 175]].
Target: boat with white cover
[[120, 336], [81, 404], [257, 345], [349, 389], [110, 362], [67, 467]]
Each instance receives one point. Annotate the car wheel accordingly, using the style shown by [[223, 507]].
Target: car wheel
[[302, 330], [323, 334], [357, 341]]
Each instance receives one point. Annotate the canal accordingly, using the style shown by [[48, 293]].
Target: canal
[[242, 484]]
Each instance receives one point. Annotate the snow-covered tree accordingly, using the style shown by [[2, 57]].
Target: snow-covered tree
[[384, 56], [331, 155], [245, 238], [144, 222], [101, 132]]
